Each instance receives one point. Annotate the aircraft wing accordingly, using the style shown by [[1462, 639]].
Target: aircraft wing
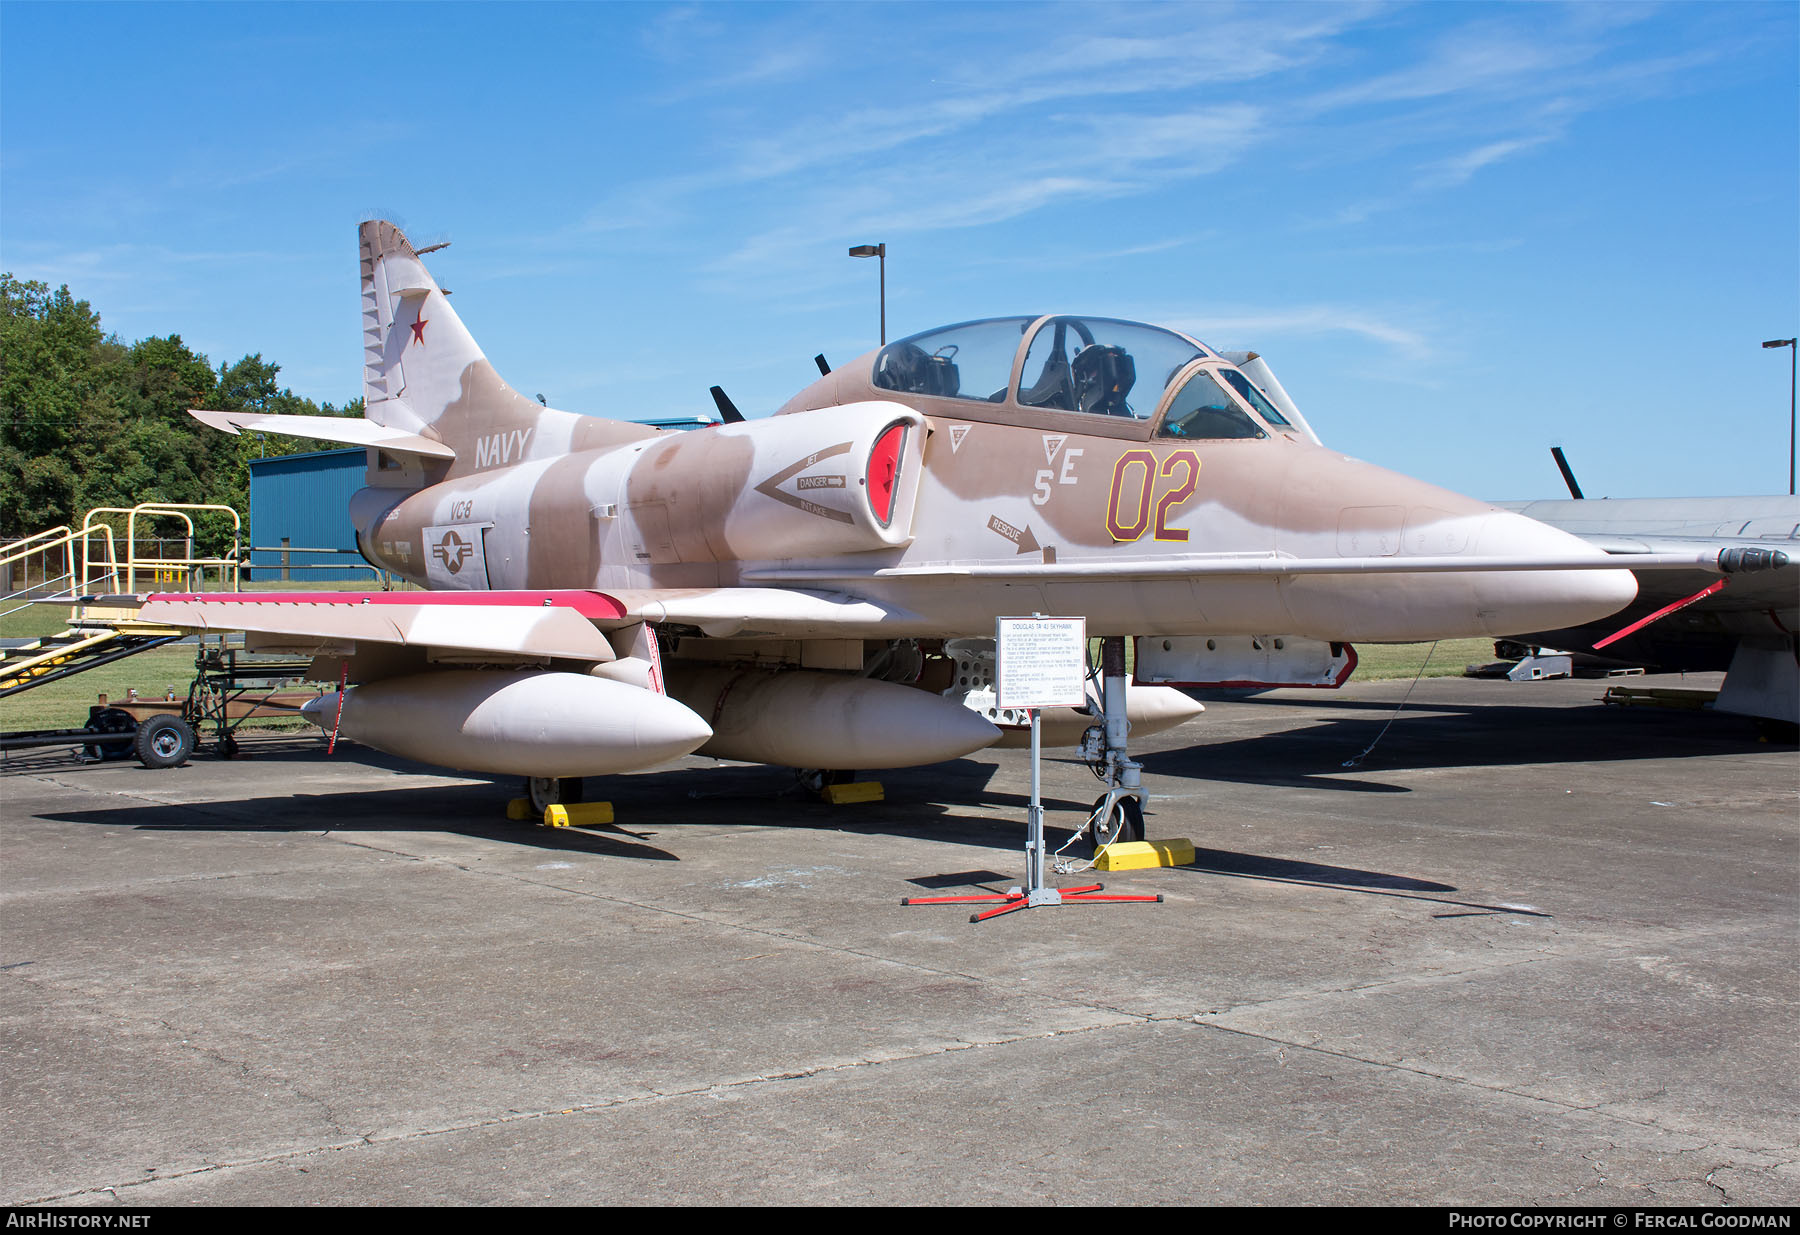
[[814, 603], [562, 625], [559, 625], [1736, 529], [1769, 588], [1696, 558]]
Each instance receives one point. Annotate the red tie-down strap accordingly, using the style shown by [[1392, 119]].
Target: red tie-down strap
[[1663, 612], [343, 677]]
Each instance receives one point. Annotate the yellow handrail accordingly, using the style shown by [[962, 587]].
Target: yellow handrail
[[92, 555], [20, 549], [41, 546], [227, 567]]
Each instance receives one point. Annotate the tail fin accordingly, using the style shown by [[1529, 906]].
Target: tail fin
[[423, 372]]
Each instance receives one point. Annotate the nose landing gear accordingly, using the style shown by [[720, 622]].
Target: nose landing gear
[[1119, 812]]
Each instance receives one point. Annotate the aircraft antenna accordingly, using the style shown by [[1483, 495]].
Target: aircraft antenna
[[727, 409], [1556, 452]]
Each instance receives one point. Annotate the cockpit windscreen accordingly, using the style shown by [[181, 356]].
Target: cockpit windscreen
[[1254, 397], [1202, 409]]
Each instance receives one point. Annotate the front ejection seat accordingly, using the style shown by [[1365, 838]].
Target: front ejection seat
[[1103, 377]]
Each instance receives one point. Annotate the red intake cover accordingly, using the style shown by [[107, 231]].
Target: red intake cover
[[884, 470]]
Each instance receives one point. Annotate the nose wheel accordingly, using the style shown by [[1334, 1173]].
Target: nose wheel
[[1115, 818]]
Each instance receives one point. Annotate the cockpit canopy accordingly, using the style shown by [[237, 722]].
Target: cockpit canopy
[[1072, 364], [1097, 365]]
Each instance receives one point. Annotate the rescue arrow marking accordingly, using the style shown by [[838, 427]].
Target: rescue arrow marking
[[1024, 539]]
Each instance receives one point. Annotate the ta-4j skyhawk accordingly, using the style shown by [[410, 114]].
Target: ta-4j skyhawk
[[818, 588]]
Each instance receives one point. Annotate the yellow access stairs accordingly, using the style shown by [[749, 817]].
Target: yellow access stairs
[[81, 568], [75, 650]]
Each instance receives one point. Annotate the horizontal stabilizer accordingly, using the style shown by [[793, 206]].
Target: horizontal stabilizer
[[353, 430]]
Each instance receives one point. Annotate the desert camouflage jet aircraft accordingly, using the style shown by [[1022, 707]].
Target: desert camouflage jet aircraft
[[818, 588]]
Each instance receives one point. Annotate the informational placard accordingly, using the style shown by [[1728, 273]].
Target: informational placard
[[1040, 662]]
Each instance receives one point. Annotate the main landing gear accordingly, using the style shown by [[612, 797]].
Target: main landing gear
[[543, 792], [1119, 812], [814, 782]]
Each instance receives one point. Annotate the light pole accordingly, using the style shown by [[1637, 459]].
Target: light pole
[[880, 251], [1789, 344]]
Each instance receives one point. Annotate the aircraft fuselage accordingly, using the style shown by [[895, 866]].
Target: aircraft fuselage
[[924, 509]]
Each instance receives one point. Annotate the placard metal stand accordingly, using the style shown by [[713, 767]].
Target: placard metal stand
[[1039, 662]]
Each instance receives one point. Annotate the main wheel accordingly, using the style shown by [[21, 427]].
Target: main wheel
[[1124, 821], [816, 780], [164, 742], [547, 791]]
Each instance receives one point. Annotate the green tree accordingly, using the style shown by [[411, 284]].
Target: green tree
[[87, 421], [48, 342]]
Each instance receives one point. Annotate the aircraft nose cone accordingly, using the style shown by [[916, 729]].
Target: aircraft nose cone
[[1524, 602]]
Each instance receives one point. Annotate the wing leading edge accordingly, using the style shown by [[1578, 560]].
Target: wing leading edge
[[560, 625]]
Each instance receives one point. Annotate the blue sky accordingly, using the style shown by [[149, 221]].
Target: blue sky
[[1460, 233]]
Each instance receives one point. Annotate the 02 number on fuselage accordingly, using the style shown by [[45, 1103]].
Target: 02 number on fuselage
[[1142, 488]]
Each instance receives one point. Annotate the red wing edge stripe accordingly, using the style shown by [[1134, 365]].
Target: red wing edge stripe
[[594, 605]]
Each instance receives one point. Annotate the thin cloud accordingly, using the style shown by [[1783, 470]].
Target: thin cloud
[[999, 182], [1254, 327], [1459, 170], [129, 263], [1237, 49]]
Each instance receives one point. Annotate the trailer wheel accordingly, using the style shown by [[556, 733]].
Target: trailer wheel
[[164, 742], [108, 720]]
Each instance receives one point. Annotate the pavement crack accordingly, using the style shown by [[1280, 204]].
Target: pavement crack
[[765, 932], [1575, 948], [368, 1140], [1596, 1109]]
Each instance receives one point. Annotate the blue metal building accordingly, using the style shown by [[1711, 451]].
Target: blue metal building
[[304, 502]]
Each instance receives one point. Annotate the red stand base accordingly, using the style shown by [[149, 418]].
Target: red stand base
[[1018, 898]]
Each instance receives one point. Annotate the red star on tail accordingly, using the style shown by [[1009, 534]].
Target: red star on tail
[[418, 329]]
